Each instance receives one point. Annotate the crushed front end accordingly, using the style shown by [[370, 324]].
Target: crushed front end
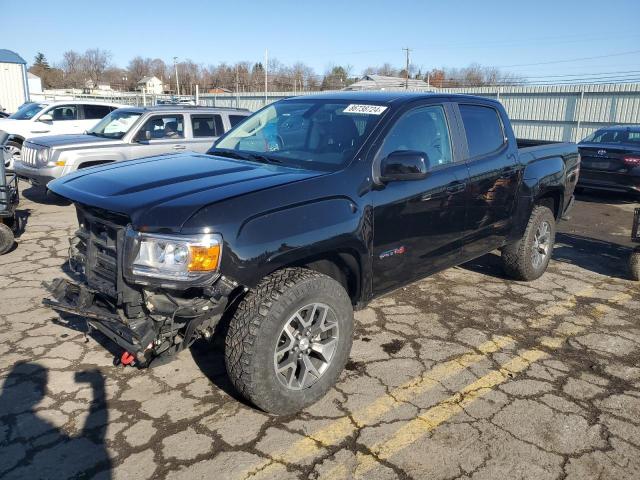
[[152, 294]]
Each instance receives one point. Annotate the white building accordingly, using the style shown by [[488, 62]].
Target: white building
[[35, 83], [14, 87], [151, 85]]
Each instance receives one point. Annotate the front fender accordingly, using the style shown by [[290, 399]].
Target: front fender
[[278, 238]]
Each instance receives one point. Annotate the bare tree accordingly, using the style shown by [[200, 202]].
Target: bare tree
[[95, 62]]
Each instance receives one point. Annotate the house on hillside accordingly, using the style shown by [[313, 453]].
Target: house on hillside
[[151, 85], [381, 82]]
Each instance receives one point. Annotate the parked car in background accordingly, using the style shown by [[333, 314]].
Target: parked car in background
[[306, 210], [126, 134], [35, 119], [611, 159]]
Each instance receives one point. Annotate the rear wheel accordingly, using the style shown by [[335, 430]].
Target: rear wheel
[[6, 238], [289, 340], [528, 258], [634, 264]]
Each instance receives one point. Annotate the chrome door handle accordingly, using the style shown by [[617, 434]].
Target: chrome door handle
[[179, 147]]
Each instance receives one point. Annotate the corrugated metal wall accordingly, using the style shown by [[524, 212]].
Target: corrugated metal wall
[[12, 86], [558, 112]]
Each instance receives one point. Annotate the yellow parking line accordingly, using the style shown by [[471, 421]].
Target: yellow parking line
[[435, 416], [341, 428]]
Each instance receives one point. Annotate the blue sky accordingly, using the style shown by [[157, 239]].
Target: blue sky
[[510, 34]]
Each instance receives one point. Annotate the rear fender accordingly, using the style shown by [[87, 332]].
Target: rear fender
[[543, 178]]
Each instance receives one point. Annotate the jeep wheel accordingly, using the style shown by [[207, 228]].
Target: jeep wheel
[[289, 340], [634, 264], [14, 153], [527, 259], [6, 238]]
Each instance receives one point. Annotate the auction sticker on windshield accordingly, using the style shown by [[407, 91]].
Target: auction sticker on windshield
[[366, 109]]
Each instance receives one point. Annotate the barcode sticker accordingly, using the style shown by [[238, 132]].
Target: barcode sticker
[[366, 109]]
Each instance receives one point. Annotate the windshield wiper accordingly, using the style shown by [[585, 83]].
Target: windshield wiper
[[244, 156]]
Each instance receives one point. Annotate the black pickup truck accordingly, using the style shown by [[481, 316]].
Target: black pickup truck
[[302, 213]]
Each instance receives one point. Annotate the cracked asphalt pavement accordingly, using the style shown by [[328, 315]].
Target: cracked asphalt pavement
[[463, 375]]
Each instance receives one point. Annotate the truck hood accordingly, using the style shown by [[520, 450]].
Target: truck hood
[[161, 193], [78, 140]]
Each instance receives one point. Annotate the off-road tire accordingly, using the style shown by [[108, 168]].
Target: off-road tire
[[516, 257], [256, 325], [6, 238], [634, 264]]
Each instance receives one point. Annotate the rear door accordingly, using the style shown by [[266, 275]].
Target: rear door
[[494, 175], [419, 224], [205, 129], [66, 119]]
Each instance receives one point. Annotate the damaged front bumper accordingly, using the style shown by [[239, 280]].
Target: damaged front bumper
[[134, 336]]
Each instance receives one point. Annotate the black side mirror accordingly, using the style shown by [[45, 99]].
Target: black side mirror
[[143, 136], [404, 165]]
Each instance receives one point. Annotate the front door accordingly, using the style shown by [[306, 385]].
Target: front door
[[419, 224], [494, 174], [159, 135]]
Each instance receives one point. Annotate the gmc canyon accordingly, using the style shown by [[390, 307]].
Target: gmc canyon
[[302, 213]]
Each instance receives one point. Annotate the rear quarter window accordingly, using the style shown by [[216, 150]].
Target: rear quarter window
[[483, 128], [206, 126]]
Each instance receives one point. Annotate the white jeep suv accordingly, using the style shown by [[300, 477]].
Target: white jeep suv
[[35, 119]]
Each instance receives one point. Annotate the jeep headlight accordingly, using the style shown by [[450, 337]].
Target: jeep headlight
[[172, 257], [42, 156]]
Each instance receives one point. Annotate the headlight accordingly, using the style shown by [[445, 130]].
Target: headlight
[[172, 257], [43, 156]]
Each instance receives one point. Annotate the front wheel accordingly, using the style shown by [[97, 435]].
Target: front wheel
[[528, 258], [14, 154], [289, 340]]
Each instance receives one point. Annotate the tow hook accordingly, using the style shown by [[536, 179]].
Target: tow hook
[[127, 358]]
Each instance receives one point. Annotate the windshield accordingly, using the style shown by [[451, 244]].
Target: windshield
[[114, 125], [313, 134], [28, 111], [617, 136]]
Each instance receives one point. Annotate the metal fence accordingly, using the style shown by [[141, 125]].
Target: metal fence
[[555, 112]]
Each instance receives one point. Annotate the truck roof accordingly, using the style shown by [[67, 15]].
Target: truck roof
[[182, 108], [395, 97]]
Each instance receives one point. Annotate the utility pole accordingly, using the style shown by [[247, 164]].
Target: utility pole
[[406, 71], [266, 69], [175, 65], [237, 87]]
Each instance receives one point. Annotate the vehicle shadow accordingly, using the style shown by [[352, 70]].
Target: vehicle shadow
[[597, 196], [43, 196], [35, 448], [598, 256], [209, 356]]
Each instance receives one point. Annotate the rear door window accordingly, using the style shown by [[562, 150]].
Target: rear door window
[[236, 119], [483, 128], [206, 126], [163, 127], [96, 112]]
